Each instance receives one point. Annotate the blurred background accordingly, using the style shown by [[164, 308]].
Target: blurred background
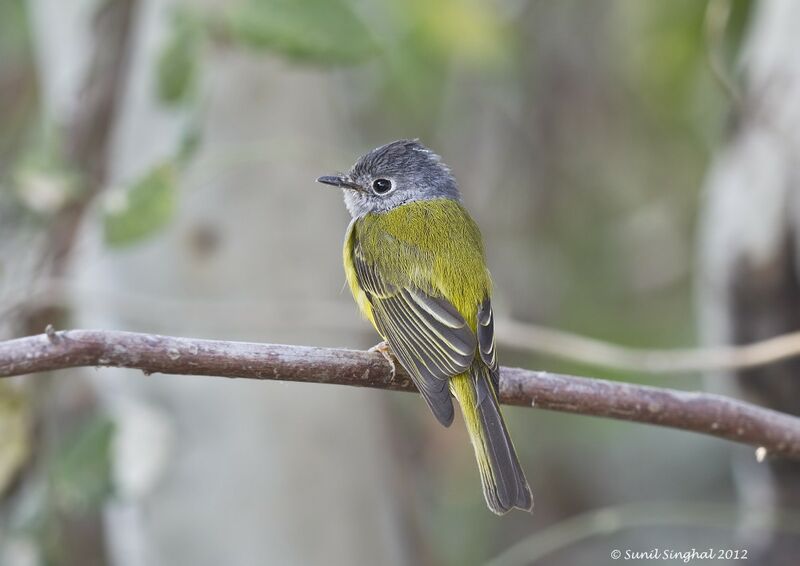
[[634, 169]]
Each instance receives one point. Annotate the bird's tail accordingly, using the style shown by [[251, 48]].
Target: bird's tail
[[504, 483]]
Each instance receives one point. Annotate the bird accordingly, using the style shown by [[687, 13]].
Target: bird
[[415, 264]]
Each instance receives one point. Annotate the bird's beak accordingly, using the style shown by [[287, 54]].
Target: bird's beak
[[338, 181], [332, 180]]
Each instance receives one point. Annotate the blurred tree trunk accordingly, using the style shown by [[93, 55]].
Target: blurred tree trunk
[[230, 472], [749, 273]]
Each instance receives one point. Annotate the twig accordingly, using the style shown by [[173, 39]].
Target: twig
[[716, 19], [710, 414], [574, 347]]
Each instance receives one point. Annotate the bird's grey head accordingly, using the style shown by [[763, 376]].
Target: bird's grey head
[[394, 174]]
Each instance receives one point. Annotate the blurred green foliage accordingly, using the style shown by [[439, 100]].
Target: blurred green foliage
[[139, 212], [472, 32], [17, 82], [624, 166], [14, 40], [179, 61], [81, 470], [428, 44], [15, 432], [313, 31], [669, 58], [67, 483], [44, 183]]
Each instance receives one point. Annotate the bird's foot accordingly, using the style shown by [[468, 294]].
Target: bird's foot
[[386, 351]]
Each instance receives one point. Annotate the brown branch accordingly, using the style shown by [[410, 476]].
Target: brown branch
[[509, 332], [777, 433]]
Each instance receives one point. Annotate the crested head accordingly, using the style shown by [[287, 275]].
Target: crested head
[[392, 175]]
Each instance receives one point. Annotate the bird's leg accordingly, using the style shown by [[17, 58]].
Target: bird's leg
[[386, 351]]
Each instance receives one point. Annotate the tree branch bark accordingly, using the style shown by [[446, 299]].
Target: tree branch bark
[[715, 415]]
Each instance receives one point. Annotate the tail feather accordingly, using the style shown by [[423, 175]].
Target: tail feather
[[504, 483]]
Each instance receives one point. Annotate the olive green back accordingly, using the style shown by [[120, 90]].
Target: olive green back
[[432, 245]]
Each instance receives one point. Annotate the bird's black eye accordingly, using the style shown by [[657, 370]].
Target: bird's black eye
[[381, 186]]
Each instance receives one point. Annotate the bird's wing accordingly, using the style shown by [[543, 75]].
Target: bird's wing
[[486, 343], [427, 334]]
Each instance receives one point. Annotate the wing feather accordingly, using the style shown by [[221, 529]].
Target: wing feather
[[430, 338], [486, 343]]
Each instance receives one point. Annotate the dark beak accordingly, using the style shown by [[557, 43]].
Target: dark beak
[[331, 180], [338, 181]]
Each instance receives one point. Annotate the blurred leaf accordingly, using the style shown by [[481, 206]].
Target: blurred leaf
[[741, 14], [43, 182], [427, 47], [178, 64], [14, 432], [14, 28], [470, 30], [137, 213], [81, 473], [317, 31]]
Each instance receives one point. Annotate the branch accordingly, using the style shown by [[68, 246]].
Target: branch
[[510, 333], [719, 416], [577, 348]]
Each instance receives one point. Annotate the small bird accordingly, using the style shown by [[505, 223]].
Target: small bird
[[415, 264]]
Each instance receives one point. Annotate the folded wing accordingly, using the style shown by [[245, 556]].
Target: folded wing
[[486, 342], [428, 335]]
